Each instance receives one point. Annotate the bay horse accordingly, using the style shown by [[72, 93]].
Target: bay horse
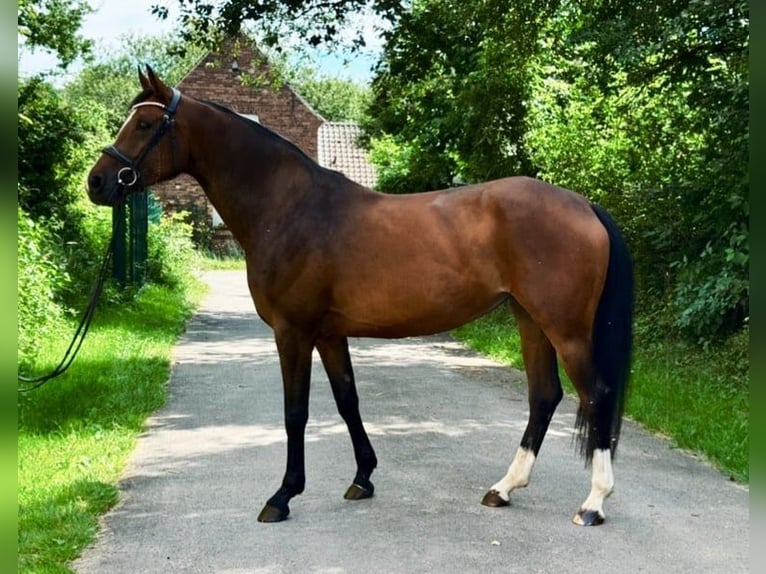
[[328, 259]]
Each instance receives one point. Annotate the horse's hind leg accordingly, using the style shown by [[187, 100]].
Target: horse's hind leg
[[595, 420], [544, 395], [337, 364]]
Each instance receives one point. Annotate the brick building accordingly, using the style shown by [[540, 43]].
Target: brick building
[[218, 77]]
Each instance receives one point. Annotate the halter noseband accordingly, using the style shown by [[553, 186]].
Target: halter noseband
[[129, 174]]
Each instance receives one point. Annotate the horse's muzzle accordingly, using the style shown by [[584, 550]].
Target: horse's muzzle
[[101, 191]]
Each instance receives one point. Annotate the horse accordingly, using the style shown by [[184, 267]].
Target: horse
[[328, 259]]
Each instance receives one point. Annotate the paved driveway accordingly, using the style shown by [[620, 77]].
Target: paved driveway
[[445, 424]]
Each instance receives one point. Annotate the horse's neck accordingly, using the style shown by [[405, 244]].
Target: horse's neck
[[248, 174]]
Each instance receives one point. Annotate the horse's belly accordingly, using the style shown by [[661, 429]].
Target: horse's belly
[[407, 313]]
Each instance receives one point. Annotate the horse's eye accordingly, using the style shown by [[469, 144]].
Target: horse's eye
[[142, 125]]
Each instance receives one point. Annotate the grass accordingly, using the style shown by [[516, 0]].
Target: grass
[[76, 432], [698, 398], [213, 262]]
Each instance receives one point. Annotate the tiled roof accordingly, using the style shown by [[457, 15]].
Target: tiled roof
[[338, 150]]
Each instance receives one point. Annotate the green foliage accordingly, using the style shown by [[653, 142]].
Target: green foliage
[[392, 162], [711, 294], [172, 258], [202, 231], [335, 99], [84, 254], [641, 106], [75, 434], [397, 166], [63, 237], [280, 22], [41, 277], [57, 142], [453, 83], [659, 92], [102, 84], [54, 25], [50, 136], [60, 241]]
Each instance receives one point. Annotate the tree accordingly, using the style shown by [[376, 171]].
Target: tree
[[335, 99], [54, 25], [452, 89], [50, 133], [642, 106], [317, 22], [659, 92], [109, 84], [49, 152]]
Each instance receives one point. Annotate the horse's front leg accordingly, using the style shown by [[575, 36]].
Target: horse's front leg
[[337, 364], [294, 349]]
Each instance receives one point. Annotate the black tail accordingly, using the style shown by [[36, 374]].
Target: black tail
[[612, 336]]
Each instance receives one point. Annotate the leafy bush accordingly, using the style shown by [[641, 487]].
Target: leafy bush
[[198, 218], [632, 104], [172, 258], [402, 168], [392, 163], [84, 253], [41, 278], [711, 295], [58, 141], [663, 154], [56, 144]]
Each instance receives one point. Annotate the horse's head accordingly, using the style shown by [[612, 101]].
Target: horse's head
[[146, 150]]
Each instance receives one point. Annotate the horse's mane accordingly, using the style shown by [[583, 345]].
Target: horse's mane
[[271, 134], [268, 132]]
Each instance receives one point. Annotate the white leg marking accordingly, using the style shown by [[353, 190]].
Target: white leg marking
[[602, 484], [517, 475]]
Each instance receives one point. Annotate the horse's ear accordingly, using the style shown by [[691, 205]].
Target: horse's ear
[[144, 80], [159, 87]]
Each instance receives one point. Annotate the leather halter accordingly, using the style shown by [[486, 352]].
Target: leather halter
[[129, 175]]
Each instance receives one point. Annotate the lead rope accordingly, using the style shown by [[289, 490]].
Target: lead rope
[[82, 329]]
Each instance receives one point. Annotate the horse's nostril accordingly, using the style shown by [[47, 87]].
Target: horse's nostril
[[94, 181]]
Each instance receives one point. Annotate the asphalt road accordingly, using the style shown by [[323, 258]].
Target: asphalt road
[[445, 424]]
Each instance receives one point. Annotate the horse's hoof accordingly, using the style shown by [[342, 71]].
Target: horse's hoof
[[588, 518], [273, 514], [494, 500], [359, 492]]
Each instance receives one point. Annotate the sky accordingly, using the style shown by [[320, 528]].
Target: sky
[[113, 19]]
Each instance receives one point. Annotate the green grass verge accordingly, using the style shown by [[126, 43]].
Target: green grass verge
[[213, 262], [76, 432], [698, 398]]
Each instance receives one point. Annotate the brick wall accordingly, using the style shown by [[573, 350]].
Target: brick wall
[[278, 108]]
